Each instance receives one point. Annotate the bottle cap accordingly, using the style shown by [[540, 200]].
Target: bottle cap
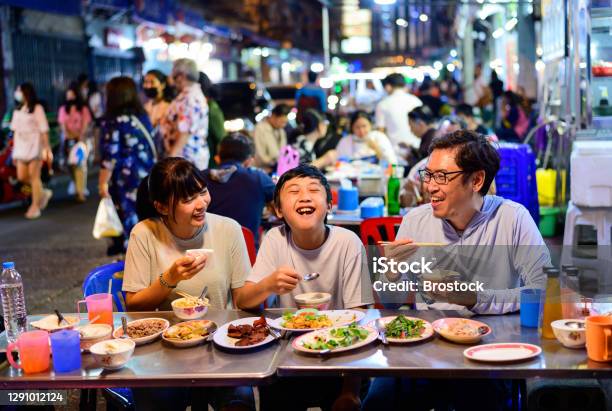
[[546, 268], [572, 271], [552, 273], [8, 265]]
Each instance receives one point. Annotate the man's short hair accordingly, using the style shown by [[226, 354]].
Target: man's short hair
[[235, 147], [395, 80], [464, 109], [301, 171], [312, 76], [281, 110], [422, 113], [473, 153]]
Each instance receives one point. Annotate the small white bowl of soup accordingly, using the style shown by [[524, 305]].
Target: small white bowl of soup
[[317, 300], [94, 333], [571, 332], [190, 308], [113, 354]]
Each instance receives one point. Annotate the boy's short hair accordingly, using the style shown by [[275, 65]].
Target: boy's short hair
[[301, 171], [235, 147]]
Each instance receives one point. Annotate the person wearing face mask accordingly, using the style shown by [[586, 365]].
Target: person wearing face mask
[[31, 145], [128, 153], [158, 93], [185, 127], [74, 119], [157, 265], [314, 129], [155, 88], [364, 142]]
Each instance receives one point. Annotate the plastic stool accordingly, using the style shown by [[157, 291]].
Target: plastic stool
[[598, 217], [564, 395]]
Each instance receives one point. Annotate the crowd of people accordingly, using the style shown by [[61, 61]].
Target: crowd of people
[[156, 162]]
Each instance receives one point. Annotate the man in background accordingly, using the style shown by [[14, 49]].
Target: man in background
[[392, 114]]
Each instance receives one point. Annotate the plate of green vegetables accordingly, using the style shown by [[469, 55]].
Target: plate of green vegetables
[[335, 339], [403, 329]]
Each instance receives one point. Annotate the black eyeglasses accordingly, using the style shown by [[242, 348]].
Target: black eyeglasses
[[440, 177]]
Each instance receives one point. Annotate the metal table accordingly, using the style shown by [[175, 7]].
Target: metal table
[[438, 358], [159, 364]]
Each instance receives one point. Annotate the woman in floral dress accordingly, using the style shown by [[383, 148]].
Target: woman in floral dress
[[128, 153]]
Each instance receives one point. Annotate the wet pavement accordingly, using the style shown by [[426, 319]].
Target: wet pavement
[[54, 253]]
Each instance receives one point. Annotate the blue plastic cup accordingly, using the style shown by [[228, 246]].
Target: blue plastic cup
[[66, 350], [531, 307]]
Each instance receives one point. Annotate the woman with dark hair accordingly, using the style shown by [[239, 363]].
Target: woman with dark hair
[[74, 119], [156, 89], [514, 121], [128, 153], [31, 145], [158, 264], [314, 128], [364, 143]]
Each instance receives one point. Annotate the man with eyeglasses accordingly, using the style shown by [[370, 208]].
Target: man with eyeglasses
[[483, 238], [461, 216]]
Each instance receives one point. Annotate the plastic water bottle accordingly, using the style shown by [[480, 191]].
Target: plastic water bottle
[[13, 302]]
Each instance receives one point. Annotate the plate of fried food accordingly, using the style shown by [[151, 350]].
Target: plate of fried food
[[189, 333], [310, 319], [461, 330], [245, 333]]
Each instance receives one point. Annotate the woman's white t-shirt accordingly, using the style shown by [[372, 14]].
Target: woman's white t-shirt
[[152, 249]]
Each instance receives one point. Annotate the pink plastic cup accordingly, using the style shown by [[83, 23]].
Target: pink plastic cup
[[33, 348], [99, 308]]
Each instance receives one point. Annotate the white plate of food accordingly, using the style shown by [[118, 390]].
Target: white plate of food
[[189, 333], [310, 320], [51, 324], [337, 339], [461, 330], [244, 333], [145, 330], [403, 329], [502, 352]]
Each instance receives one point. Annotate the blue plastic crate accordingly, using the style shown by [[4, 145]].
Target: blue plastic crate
[[516, 179]]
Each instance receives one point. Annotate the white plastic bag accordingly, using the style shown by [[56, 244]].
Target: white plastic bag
[[107, 222]]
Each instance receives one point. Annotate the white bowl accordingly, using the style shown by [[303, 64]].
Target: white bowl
[[569, 336], [94, 333], [189, 313], [113, 354], [320, 301], [147, 339]]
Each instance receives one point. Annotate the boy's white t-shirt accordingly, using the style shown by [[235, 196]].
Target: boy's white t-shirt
[[152, 249], [341, 262]]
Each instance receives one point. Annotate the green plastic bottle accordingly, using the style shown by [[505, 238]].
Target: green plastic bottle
[[393, 191]]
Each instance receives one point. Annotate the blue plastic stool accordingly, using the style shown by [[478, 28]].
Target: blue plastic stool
[[97, 282]]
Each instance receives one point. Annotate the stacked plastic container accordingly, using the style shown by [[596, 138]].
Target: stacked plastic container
[[516, 179]]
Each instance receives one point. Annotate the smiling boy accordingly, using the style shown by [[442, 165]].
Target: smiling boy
[[305, 244]]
